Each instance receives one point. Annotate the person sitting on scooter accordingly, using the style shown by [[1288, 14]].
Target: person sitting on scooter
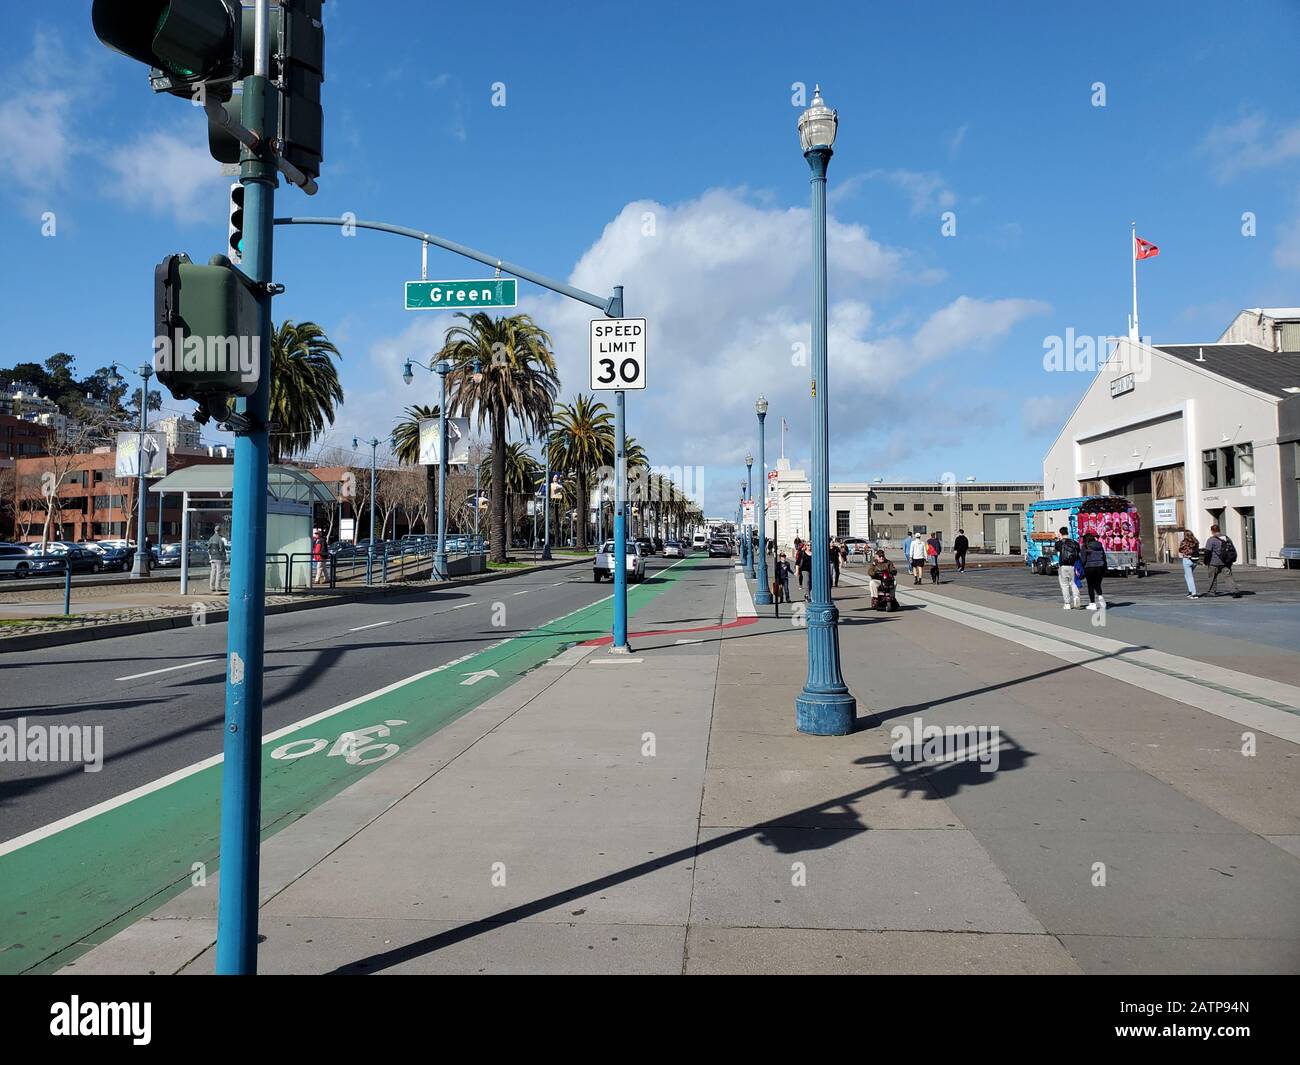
[[879, 569]]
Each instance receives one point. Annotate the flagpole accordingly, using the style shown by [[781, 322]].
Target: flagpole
[[1134, 332]]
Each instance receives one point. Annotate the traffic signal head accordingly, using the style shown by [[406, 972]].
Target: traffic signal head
[[207, 334], [235, 243], [186, 42]]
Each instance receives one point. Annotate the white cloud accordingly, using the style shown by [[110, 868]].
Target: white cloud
[[168, 171], [36, 120], [957, 137], [725, 285], [1251, 142], [1040, 414]]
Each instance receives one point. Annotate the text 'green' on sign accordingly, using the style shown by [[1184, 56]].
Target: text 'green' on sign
[[440, 295]]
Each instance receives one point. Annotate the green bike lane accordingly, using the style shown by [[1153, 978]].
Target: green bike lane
[[71, 885]]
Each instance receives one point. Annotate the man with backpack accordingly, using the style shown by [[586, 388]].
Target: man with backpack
[[1219, 554], [1067, 554]]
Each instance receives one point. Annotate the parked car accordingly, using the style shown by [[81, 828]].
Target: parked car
[[17, 561], [114, 557], [674, 549], [604, 564], [59, 556], [170, 555]]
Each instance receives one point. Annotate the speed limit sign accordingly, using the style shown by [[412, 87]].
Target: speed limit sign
[[617, 353]]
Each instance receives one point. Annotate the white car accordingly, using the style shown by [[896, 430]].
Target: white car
[[674, 549], [604, 564], [700, 541]]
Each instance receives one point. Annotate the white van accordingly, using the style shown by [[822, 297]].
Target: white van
[[700, 541]]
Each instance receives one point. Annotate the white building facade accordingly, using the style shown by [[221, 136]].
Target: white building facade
[[990, 513], [1192, 435]]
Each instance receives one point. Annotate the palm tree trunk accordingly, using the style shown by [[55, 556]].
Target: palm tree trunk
[[499, 541], [582, 510]]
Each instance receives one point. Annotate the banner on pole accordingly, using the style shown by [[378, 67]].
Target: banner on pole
[[457, 442]]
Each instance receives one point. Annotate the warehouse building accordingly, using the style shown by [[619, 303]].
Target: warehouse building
[[1195, 434]]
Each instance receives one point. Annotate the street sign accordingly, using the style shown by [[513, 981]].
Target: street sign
[[441, 295], [618, 352], [749, 520]]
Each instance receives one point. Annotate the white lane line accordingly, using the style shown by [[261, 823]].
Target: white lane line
[[744, 601], [169, 669], [1151, 671], [55, 827], [524, 592], [690, 641], [372, 625], [461, 606], [614, 660]]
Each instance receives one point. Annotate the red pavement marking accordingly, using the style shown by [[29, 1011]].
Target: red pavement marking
[[738, 623]]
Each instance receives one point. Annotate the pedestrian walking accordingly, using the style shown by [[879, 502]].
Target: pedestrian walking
[[835, 556], [783, 577], [805, 567], [317, 557], [1094, 569], [959, 548], [933, 547], [907, 549], [1067, 554], [798, 561], [917, 558], [1219, 554], [218, 556], [1189, 549]]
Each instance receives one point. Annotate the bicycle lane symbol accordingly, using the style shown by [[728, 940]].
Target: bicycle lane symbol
[[355, 747]]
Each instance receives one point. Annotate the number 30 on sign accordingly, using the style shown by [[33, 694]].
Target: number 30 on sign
[[618, 353]]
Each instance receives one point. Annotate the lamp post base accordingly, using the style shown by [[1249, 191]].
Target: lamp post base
[[440, 566], [762, 597], [546, 552], [825, 713]]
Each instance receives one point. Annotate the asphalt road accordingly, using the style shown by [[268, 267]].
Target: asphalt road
[[160, 696]]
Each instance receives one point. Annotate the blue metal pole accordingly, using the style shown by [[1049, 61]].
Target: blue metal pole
[[763, 593], [619, 644], [370, 547], [241, 780], [749, 494], [440, 559], [824, 707], [67, 586]]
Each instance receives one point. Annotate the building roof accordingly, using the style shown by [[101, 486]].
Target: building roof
[[1270, 372], [1276, 312]]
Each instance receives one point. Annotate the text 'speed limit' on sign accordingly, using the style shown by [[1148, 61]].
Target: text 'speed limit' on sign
[[618, 352]]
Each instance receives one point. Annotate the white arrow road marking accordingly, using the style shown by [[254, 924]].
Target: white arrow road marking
[[474, 678]]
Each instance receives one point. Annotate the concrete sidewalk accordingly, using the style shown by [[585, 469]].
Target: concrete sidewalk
[[658, 813]]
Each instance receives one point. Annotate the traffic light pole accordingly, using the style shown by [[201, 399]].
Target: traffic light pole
[[241, 782]]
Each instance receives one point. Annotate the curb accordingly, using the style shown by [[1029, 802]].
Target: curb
[[85, 633]]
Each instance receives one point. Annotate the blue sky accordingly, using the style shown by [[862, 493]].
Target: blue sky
[[654, 145]]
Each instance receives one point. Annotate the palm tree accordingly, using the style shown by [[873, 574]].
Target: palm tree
[[523, 474], [304, 387], [517, 380], [406, 449], [581, 443]]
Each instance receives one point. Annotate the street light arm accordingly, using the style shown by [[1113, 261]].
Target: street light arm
[[611, 306]]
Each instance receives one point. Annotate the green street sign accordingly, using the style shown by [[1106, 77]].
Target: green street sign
[[442, 295]]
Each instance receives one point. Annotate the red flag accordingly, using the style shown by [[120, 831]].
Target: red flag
[[1145, 249]]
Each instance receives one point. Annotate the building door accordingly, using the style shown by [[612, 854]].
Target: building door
[[1247, 515], [1002, 535]]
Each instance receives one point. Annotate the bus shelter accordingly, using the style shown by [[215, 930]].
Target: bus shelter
[[292, 494]]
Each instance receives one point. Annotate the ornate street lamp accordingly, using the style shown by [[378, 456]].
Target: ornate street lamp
[[824, 707]]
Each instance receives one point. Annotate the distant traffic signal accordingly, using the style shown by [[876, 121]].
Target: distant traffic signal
[[235, 243], [187, 42]]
